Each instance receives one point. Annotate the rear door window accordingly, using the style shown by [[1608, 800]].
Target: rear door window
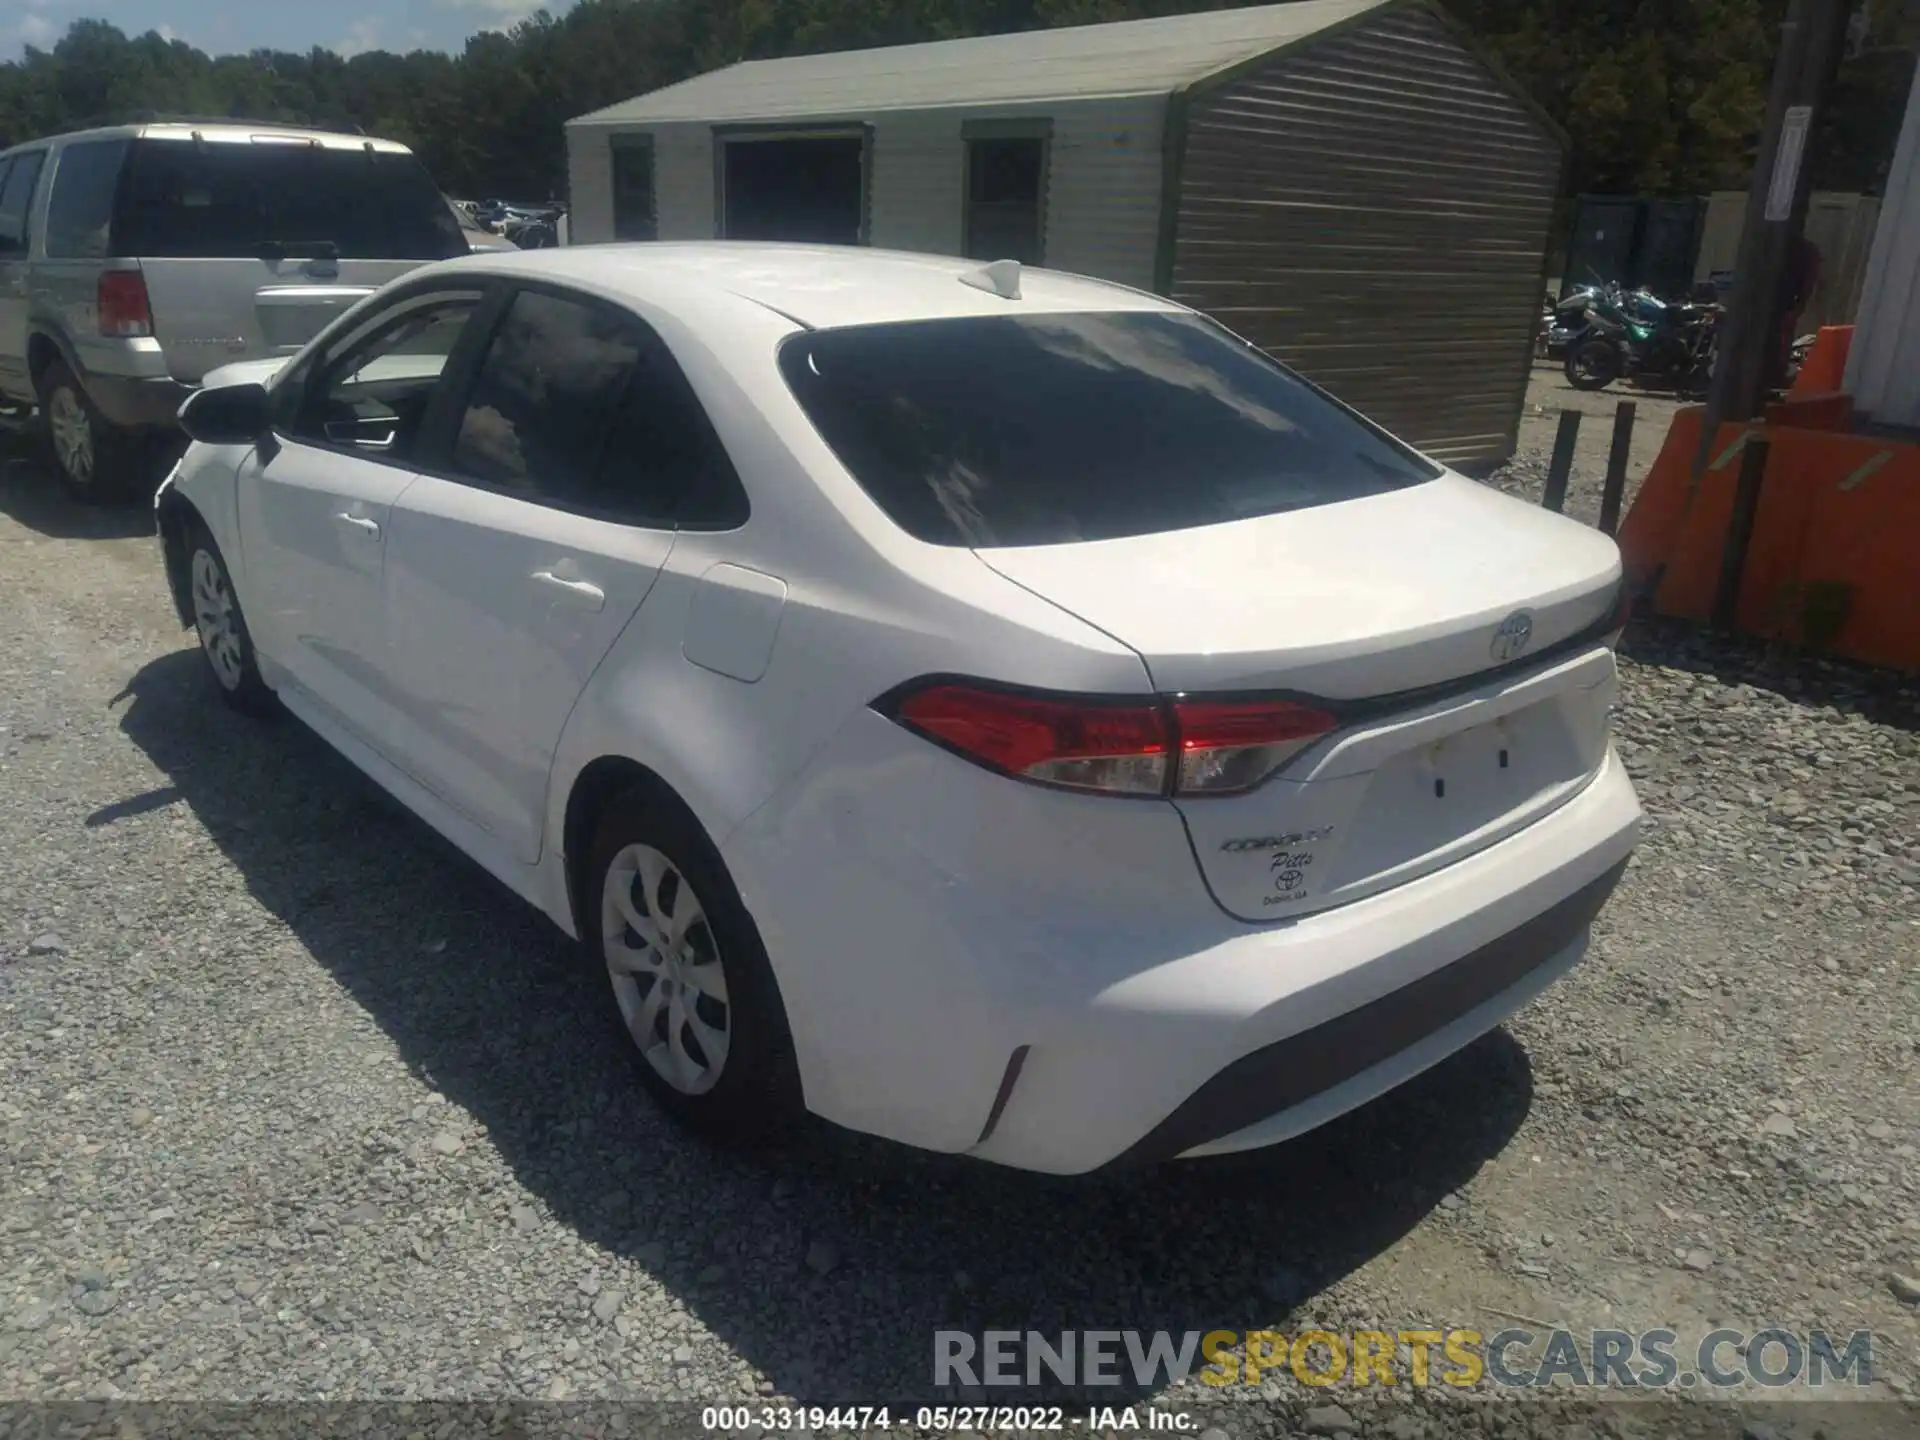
[[276, 198], [80, 210], [16, 201], [542, 404], [582, 406], [664, 464], [1046, 429]]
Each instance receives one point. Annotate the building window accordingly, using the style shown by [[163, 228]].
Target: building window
[[1006, 197], [634, 217]]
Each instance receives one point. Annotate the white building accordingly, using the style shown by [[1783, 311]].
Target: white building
[[1347, 183], [1883, 366]]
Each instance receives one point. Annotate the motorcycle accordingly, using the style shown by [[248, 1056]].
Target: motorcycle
[[1563, 320], [539, 231], [1638, 335]]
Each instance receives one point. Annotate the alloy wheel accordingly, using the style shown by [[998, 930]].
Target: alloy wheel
[[664, 963], [72, 434]]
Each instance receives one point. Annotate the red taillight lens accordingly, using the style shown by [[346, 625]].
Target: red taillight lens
[[1227, 746], [122, 302], [1119, 747]]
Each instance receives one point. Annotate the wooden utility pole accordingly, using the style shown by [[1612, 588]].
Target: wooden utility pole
[[1810, 47]]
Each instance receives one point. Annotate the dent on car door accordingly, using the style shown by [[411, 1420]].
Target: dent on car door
[[314, 504], [513, 567]]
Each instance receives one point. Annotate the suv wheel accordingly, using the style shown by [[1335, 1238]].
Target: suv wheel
[[96, 463]]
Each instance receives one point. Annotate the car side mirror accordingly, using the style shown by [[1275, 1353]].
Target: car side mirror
[[228, 415]]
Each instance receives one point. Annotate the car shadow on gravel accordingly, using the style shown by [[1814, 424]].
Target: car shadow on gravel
[[829, 1264], [30, 495]]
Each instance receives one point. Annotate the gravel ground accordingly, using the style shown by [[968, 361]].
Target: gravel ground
[[296, 1104]]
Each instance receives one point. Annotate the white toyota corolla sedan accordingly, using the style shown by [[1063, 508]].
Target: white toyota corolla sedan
[[993, 709]]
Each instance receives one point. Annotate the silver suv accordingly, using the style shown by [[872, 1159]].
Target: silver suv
[[133, 260]]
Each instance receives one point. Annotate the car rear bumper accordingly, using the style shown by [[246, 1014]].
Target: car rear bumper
[[1044, 982], [136, 402], [1292, 1085]]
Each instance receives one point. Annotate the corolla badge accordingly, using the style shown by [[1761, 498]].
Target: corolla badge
[[1247, 843], [1513, 636]]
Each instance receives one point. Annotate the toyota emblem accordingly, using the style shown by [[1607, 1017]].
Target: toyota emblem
[[1513, 636]]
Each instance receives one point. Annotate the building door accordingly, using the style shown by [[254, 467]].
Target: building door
[[809, 188]]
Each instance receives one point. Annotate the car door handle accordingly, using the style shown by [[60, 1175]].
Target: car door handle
[[586, 596], [359, 522]]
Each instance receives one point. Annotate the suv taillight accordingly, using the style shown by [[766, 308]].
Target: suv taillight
[[122, 300], [1115, 746]]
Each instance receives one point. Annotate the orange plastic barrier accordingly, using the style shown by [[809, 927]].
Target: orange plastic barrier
[[1825, 367], [1814, 410], [1833, 552]]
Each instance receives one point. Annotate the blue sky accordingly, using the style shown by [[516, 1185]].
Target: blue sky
[[221, 26]]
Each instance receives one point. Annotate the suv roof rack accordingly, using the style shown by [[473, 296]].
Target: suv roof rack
[[165, 117]]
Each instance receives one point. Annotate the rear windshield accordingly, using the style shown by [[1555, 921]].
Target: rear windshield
[[226, 200], [1043, 429]]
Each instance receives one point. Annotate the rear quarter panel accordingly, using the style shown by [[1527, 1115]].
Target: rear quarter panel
[[66, 311], [845, 636]]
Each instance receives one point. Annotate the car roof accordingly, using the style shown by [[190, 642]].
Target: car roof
[[218, 132], [817, 286]]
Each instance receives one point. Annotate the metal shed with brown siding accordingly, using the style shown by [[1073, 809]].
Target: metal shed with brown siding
[[1347, 183]]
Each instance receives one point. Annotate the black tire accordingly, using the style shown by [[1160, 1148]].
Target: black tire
[[756, 1092], [1593, 364], [95, 463], [226, 644]]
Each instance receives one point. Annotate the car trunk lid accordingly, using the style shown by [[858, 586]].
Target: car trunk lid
[[1368, 597], [1441, 626]]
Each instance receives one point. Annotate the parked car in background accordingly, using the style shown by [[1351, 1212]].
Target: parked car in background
[[136, 258], [997, 710], [478, 236]]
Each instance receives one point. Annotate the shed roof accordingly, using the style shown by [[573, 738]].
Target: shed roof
[[1129, 57]]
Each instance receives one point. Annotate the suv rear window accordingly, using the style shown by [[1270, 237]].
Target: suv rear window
[[1045, 429], [226, 199]]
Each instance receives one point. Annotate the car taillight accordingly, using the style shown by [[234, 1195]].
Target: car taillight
[[1227, 746], [122, 303], [1113, 745], [1120, 747]]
